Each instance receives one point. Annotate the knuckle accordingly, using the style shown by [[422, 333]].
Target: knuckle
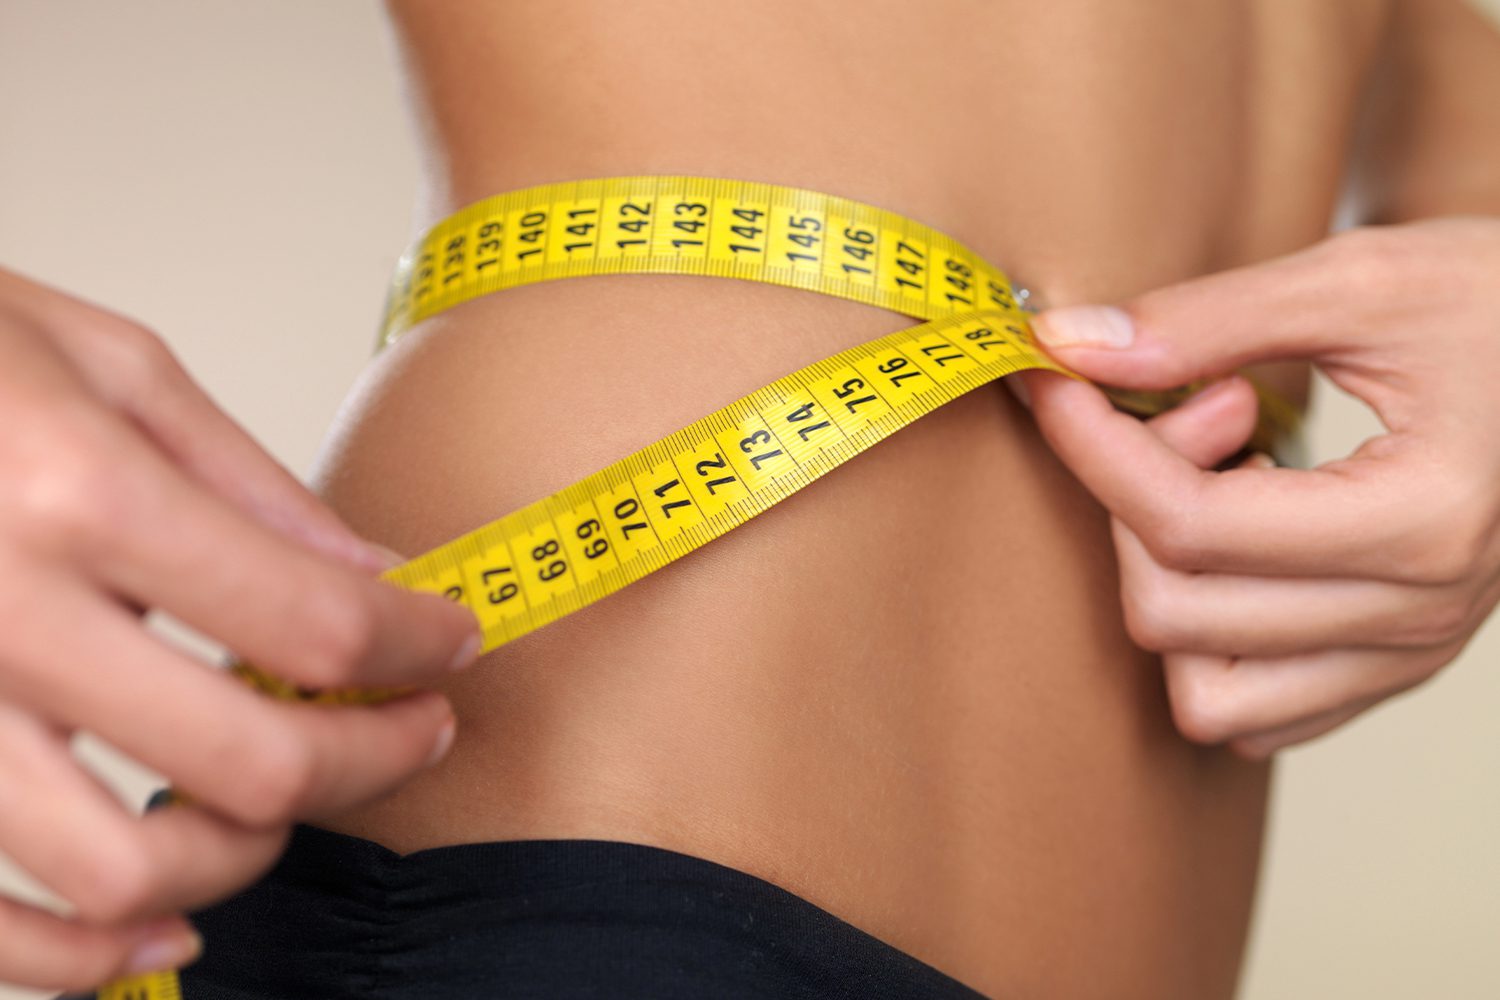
[[74, 493], [1369, 258], [118, 885], [1448, 548], [343, 629], [1438, 623], [1155, 527], [1150, 617], [1172, 544], [1200, 708], [274, 781], [138, 358], [1171, 531]]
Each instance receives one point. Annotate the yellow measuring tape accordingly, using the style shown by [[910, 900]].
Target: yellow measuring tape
[[585, 542]]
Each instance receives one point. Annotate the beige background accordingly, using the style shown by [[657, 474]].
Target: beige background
[[238, 175]]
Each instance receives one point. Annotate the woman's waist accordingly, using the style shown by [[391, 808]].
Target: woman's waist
[[901, 693], [873, 602]]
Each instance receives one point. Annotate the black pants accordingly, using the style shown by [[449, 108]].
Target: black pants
[[343, 917]]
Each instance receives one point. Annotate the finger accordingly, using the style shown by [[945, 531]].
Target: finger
[[1327, 302], [1169, 611], [74, 837], [259, 761], [1206, 428], [131, 369], [1263, 745], [45, 951], [160, 539], [1351, 518], [1212, 424], [1215, 698]]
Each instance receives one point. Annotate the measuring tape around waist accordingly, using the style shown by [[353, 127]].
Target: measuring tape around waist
[[568, 550], [712, 227], [600, 534]]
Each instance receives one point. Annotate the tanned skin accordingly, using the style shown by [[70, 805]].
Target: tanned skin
[[905, 694]]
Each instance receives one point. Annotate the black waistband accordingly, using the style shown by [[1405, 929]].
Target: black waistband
[[344, 917]]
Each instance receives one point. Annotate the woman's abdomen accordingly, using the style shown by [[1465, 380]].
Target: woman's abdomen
[[904, 693]]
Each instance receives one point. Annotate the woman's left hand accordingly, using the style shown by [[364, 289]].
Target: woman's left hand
[[1287, 601]]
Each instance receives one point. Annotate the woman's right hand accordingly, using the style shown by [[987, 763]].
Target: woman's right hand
[[122, 488]]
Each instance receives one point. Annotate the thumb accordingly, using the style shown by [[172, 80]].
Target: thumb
[[1312, 304]]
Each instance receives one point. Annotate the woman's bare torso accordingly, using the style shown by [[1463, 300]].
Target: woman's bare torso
[[906, 693]]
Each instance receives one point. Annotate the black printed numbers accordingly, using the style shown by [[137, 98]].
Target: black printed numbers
[[453, 259], [488, 247], [690, 217], [805, 234], [670, 505], [533, 225], [580, 225], [596, 548], [859, 245], [747, 228], [706, 469], [624, 511], [804, 413], [498, 594], [894, 367], [984, 338], [553, 568], [960, 273], [935, 355], [913, 262], [634, 219], [960, 276], [422, 276], [849, 388], [748, 446]]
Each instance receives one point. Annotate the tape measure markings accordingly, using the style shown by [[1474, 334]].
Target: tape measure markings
[[151, 986], [461, 258], [588, 540], [747, 230]]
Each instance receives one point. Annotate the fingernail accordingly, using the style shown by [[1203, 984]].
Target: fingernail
[[1084, 326], [367, 555], [444, 742], [466, 653], [1259, 460], [384, 556], [167, 950]]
